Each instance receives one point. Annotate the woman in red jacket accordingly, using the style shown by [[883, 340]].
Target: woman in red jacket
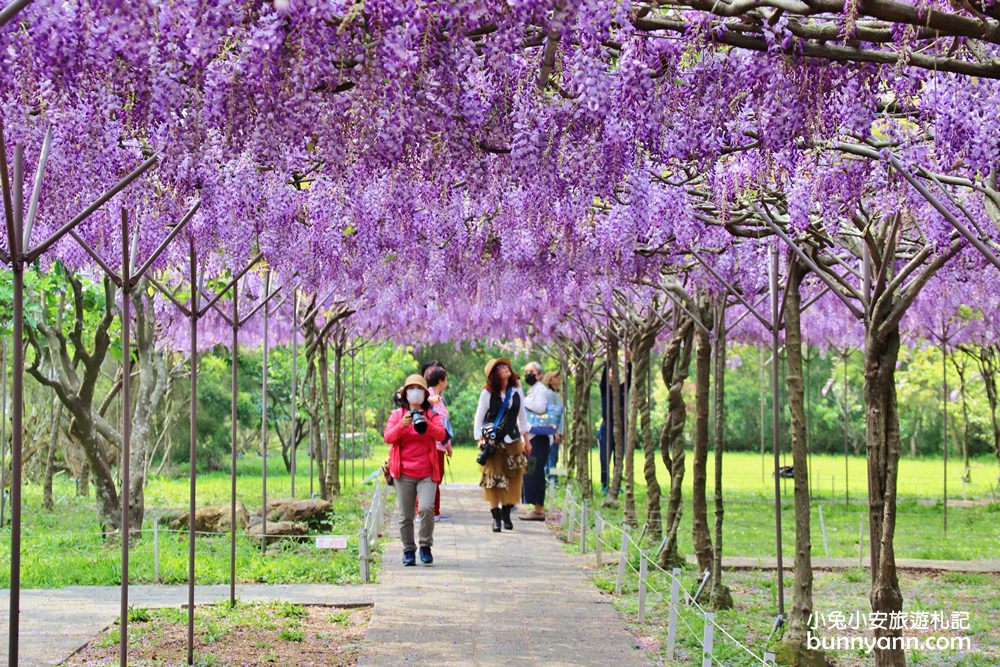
[[414, 465]]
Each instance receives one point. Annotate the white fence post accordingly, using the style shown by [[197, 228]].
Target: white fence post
[[583, 528], [379, 499], [570, 521], [622, 561], [822, 528], [565, 513], [156, 551], [363, 555], [643, 570], [706, 656], [598, 536], [675, 595]]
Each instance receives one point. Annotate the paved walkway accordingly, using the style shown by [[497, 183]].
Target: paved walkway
[[56, 623], [513, 598]]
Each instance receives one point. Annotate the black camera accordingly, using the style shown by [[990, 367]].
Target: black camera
[[419, 421], [489, 444], [486, 452]]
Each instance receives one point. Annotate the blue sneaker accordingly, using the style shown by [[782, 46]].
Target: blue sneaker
[[409, 558], [426, 557]]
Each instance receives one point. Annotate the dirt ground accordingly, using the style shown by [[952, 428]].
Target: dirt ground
[[250, 634]]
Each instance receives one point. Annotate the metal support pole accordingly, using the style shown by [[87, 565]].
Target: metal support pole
[[263, 418], [354, 414], [583, 528], [775, 416], [808, 420], [763, 410], [295, 385], [944, 422], [364, 413], [234, 433], [622, 562], [847, 419], [643, 572], [708, 639], [17, 386], [3, 430], [193, 451], [126, 409], [675, 596]]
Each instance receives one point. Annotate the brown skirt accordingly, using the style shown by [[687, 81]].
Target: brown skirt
[[503, 475]]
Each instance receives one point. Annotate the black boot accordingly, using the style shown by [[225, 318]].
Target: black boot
[[496, 519], [505, 513]]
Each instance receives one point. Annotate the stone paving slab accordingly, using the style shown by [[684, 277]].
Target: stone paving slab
[[55, 623], [514, 598]]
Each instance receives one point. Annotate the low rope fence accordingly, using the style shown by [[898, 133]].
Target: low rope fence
[[370, 532], [372, 529], [612, 542]]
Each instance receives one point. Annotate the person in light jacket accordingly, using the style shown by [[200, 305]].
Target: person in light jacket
[[536, 402], [553, 380], [501, 426], [412, 432]]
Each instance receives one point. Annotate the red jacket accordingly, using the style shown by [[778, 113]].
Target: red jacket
[[409, 448]]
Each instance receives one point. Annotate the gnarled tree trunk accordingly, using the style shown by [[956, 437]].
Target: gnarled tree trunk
[[699, 505], [642, 345], [802, 600], [721, 597], [882, 421], [674, 369], [579, 447]]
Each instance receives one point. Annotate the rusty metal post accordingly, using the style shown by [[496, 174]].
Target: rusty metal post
[[944, 422], [847, 419], [193, 276], [775, 418], [354, 413], [18, 237], [263, 416], [364, 414], [126, 292], [14, 229], [295, 384], [232, 452], [3, 430]]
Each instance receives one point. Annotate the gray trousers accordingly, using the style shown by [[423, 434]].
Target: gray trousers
[[409, 493]]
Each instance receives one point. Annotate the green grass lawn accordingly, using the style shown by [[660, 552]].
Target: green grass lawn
[[973, 531], [64, 547]]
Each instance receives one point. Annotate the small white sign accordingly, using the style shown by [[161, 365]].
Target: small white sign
[[331, 541]]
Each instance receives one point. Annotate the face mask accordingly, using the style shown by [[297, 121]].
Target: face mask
[[530, 378], [415, 396]]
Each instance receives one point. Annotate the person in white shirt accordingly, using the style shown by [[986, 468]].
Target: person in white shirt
[[553, 380], [536, 403], [501, 426]]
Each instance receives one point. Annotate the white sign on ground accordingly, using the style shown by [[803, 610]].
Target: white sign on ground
[[331, 541]]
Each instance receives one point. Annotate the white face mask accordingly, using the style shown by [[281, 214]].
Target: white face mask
[[415, 396]]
